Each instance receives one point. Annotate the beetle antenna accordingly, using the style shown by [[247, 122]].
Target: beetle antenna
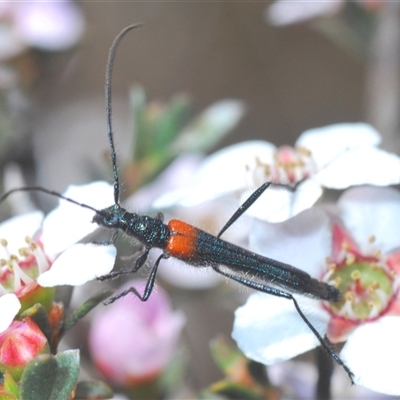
[[50, 192], [109, 68]]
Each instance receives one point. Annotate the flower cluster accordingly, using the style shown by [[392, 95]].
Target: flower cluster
[[38, 254], [352, 245], [321, 158]]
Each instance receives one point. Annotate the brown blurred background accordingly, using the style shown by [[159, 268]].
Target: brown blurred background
[[291, 78]]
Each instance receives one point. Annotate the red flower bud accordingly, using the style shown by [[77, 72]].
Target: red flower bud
[[20, 344]]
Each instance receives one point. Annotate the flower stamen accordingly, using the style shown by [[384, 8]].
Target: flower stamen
[[374, 311], [42, 262], [350, 259], [332, 267], [20, 277], [347, 308], [372, 239], [377, 253], [303, 151], [338, 281], [367, 282], [4, 243], [356, 274], [23, 252]]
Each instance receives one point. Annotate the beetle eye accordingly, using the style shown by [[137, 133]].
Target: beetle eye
[[111, 220]]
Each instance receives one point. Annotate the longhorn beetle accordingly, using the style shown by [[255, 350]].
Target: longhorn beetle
[[195, 247]]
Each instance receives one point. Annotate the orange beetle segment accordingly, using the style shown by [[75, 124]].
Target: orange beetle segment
[[182, 243]]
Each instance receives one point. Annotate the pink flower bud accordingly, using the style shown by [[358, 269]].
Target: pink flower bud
[[132, 342], [20, 344]]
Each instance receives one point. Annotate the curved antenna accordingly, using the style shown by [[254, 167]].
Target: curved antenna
[[50, 192], [109, 68]]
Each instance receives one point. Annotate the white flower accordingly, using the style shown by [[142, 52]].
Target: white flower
[[9, 306], [336, 156], [283, 12], [355, 250], [46, 25], [35, 251]]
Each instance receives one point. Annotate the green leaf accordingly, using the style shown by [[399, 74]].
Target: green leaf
[[225, 356], [40, 295], [50, 377], [170, 123], [207, 394], [10, 386], [162, 132], [39, 316], [7, 396], [84, 309], [212, 125], [93, 390], [156, 124], [233, 391]]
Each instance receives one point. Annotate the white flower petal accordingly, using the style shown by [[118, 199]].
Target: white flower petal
[[186, 197], [275, 204], [68, 223], [49, 25], [179, 174], [370, 211], [223, 115], [362, 166], [211, 125], [268, 329], [9, 307], [221, 173], [329, 142], [79, 264], [278, 204], [304, 241], [226, 169], [282, 12], [16, 229], [372, 353]]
